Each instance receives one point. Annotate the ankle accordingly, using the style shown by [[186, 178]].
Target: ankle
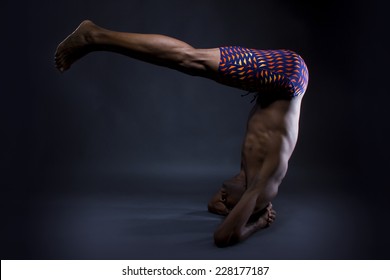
[[91, 33], [91, 37], [98, 36]]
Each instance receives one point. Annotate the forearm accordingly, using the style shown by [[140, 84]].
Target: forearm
[[234, 227]]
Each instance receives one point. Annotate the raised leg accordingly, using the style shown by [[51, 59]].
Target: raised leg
[[271, 133], [157, 49]]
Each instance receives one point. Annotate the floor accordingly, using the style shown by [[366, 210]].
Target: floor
[[127, 216]]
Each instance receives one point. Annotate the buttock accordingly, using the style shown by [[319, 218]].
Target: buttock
[[263, 71]]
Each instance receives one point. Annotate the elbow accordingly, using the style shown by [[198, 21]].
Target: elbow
[[223, 238]]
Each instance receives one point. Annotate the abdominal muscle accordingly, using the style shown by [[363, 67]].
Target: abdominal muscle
[[270, 140]]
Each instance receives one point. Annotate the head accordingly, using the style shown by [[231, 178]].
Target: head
[[231, 194], [226, 198]]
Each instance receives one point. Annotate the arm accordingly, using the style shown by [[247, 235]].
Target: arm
[[235, 228], [247, 216]]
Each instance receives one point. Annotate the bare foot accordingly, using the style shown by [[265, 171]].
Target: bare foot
[[75, 46]]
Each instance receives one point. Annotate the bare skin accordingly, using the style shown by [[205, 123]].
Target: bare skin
[[157, 49], [272, 128], [269, 142]]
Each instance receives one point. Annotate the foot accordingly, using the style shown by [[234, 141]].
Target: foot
[[75, 46]]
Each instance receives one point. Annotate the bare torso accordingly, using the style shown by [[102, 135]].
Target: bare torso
[[272, 128], [271, 136]]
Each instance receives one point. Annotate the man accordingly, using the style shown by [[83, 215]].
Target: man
[[277, 77]]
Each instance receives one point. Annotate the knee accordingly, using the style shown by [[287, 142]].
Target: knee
[[191, 61]]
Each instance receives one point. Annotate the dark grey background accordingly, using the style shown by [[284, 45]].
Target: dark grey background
[[116, 159]]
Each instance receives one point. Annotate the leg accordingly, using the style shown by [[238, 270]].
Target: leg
[[157, 49]]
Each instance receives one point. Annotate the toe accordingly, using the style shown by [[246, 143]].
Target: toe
[[63, 61], [60, 66], [58, 63]]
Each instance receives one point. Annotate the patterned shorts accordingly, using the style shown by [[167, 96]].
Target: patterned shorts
[[263, 71]]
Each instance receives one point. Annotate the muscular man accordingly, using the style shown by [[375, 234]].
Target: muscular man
[[277, 77]]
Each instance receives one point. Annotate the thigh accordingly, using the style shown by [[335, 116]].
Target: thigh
[[202, 62]]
